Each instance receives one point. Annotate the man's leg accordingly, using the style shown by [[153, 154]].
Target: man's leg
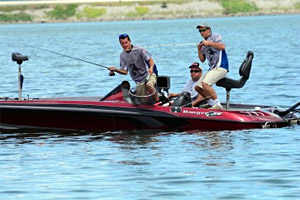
[[212, 77], [151, 87], [210, 91]]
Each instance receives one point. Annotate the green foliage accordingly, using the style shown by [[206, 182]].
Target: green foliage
[[297, 5], [238, 6], [139, 11], [91, 12], [62, 11], [12, 8], [142, 3], [15, 17], [40, 6]]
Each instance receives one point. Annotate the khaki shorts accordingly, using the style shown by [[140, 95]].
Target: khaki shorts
[[141, 88], [212, 76]]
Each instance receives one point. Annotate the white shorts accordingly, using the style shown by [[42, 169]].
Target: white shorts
[[212, 76]]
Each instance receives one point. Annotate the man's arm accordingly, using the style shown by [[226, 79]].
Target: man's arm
[[197, 101], [173, 95], [200, 55], [151, 63], [120, 71], [216, 45]]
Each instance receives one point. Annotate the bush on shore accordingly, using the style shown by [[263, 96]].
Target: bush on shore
[[238, 6], [91, 13], [62, 11], [139, 11], [16, 17]]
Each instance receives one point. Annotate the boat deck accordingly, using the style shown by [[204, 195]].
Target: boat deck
[[232, 106]]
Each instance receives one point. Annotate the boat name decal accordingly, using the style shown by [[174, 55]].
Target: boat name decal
[[208, 114]]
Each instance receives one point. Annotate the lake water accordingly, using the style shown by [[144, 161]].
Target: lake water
[[248, 164]]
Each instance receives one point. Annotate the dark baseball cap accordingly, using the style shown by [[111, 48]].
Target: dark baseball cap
[[195, 64]]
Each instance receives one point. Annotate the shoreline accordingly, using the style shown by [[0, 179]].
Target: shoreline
[[52, 11]]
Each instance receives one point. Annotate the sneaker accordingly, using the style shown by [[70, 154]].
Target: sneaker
[[217, 107], [205, 106]]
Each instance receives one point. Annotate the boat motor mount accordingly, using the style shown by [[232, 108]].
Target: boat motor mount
[[19, 58]]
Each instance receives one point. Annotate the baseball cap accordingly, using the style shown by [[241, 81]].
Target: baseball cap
[[195, 64], [203, 25]]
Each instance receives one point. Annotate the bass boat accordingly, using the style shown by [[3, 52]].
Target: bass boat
[[121, 109]]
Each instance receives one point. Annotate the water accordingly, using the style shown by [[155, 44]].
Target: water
[[249, 164]]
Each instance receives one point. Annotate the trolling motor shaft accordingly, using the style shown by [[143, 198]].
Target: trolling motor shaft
[[19, 58]]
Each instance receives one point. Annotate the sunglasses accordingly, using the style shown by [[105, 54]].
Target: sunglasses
[[123, 36], [195, 71], [202, 30]]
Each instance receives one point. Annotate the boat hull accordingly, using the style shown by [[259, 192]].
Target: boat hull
[[119, 115]]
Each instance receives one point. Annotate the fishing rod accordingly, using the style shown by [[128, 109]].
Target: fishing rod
[[79, 59]]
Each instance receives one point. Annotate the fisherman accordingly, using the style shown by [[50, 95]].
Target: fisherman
[[211, 48], [196, 73], [141, 66]]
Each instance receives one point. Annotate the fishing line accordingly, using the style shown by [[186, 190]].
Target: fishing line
[[172, 45], [79, 59]]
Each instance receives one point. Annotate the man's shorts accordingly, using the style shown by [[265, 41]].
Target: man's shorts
[[141, 88], [212, 76]]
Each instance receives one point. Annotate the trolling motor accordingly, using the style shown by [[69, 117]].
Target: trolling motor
[[19, 59]]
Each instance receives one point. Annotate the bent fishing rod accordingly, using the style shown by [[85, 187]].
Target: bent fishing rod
[[79, 59]]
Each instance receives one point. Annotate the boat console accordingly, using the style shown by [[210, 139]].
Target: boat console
[[163, 83], [244, 72]]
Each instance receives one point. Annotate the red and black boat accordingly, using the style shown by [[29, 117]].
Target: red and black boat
[[121, 110]]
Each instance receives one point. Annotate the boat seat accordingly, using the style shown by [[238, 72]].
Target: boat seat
[[244, 72], [19, 58]]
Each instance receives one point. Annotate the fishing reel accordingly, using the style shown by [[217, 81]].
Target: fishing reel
[[111, 73]]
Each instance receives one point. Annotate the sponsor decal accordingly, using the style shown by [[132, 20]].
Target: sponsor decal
[[208, 114], [176, 109], [213, 114]]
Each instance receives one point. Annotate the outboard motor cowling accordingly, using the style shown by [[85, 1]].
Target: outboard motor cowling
[[184, 100]]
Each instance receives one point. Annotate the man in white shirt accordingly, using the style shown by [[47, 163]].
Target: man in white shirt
[[196, 72]]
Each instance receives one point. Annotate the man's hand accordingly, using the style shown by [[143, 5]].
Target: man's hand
[[112, 70], [150, 70], [171, 95], [200, 45], [205, 43], [111, 73]]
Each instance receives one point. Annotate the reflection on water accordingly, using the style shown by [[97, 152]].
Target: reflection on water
[[212, 142]]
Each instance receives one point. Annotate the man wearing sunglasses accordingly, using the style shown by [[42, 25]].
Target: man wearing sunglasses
[[140, 64], [196, 72], [211, 48]]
